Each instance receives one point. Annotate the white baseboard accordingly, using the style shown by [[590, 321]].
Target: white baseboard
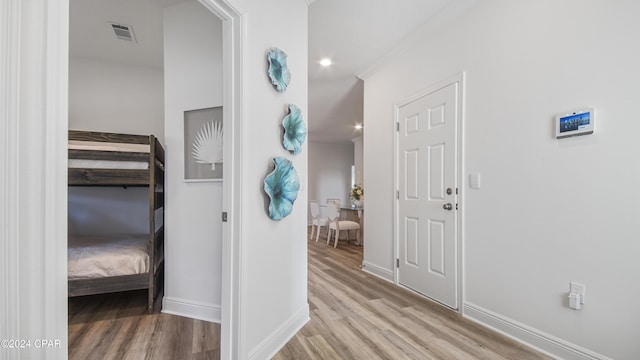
[[192, 309], [281, 336], [378, 271], [541, 341]]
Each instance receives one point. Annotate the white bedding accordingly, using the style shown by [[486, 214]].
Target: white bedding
[[102, 256], [107, 164], [107, 146]]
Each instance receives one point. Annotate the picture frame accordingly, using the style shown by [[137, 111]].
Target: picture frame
[[203, 144]]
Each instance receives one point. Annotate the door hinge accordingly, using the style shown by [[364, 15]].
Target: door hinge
[[456, 191], [398, 126], [456, 206], [224, 216], [398, 262], [398, 194]]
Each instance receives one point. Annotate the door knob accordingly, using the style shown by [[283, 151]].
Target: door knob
[[447, 206]]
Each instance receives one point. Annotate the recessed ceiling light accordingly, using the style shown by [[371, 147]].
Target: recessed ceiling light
[[358, 126], [325, 62]]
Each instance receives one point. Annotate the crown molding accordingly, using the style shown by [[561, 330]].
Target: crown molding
[[309, 2]]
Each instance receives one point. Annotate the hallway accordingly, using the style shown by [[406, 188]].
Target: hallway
[[355, 315]]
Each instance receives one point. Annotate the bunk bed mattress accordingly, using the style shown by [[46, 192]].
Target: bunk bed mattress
[[107, 146], [104, 256], [107, 164]]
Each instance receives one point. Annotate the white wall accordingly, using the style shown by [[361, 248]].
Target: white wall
[[358, 160], [273, 293], [108, 210], [112, 97], [193, 80], [329, 172], [549, 211]]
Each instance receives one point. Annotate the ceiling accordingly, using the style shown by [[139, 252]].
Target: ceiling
[[352, 33]]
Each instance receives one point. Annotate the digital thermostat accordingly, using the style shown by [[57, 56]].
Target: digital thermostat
[[577, 122]]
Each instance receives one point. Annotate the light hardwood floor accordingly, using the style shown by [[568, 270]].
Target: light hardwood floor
[[358, 316], [117, 326], [353, 316]]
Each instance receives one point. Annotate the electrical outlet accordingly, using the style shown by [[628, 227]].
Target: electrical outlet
[[579, 289]]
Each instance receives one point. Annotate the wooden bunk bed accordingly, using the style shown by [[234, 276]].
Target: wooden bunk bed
[[108, 159]]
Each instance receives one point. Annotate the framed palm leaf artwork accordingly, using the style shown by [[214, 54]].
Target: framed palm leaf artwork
[[203, 134]]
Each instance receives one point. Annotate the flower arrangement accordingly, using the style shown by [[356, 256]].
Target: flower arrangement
[[357, 193]]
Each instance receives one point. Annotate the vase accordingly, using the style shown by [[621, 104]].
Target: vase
[[357, 203]]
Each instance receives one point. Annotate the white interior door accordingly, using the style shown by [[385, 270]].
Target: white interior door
[[427, 194]]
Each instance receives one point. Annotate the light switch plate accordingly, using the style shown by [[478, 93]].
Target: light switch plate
[[303, 182], [474, 180]]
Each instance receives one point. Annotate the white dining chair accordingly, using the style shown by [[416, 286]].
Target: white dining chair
[[336, 225], [317, 221]]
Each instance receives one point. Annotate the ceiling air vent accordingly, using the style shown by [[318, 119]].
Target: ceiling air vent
[[123, 32]]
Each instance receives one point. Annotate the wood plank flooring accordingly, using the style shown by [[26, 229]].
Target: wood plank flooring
[[358, 316], [353, 316], [117, 326]]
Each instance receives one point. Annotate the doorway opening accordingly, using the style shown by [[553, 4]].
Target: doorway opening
[[231, 101]]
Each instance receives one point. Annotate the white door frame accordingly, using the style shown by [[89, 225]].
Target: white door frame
[[33, 214], [458, 78], [25, 48], [233, 50]]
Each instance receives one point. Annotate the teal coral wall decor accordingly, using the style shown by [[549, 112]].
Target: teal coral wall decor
[[295, 131], [278, 70], [282, 186]]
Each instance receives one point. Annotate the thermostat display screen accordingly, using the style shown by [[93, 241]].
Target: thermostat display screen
[[575, 122]]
